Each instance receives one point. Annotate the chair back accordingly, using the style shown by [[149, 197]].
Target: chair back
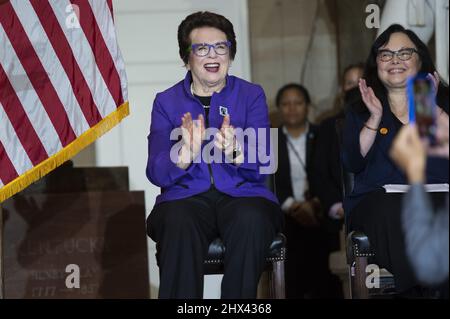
[[270, 183], [347, 178]]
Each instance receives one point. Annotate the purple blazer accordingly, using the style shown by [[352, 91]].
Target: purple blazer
[[245, 103]]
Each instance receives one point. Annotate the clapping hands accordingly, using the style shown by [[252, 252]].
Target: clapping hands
[[225, 140], [370, 100], [193, 134]]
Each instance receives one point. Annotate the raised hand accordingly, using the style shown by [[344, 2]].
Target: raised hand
[[193, 134], [442, 147], [370, 100], [225, 140], [435, 79]]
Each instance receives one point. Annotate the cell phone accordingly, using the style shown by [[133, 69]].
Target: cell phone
[[422, 106]]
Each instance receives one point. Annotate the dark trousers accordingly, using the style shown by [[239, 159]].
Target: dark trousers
[[306, 268], [183, 230]]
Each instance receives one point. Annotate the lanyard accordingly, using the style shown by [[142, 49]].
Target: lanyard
[[296, 153]]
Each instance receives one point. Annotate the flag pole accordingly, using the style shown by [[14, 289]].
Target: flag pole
[[1, 254]]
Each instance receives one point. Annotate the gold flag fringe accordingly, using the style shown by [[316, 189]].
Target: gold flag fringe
[[65, 154]]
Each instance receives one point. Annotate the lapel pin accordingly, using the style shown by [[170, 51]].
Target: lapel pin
[[383, 131], [223, 110]]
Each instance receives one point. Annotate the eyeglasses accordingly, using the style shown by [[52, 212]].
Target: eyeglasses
[[403, 54], [202, 49]]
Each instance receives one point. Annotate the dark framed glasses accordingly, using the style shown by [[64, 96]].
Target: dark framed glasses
[[403, 54]]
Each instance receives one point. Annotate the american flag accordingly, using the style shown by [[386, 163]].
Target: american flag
[[62, 84]]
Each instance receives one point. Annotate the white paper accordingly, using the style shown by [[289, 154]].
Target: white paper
[[403, 188]]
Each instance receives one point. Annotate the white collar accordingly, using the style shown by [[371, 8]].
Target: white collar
[[305, 132]]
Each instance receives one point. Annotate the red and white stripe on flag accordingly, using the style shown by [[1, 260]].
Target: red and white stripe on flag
[[62, 84]]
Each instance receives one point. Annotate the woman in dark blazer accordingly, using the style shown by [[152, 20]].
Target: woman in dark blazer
[[370, 127], [307, 274]]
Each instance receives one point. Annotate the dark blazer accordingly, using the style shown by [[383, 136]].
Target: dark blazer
[[307, 273], [283, 174], [377, 168], [328, 164], [327, 159]]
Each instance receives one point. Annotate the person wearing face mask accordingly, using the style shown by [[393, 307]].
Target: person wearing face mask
[[211, 185], [371, 125], [327, 160], [349, 80]]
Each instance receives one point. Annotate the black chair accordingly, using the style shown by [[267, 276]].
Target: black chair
[[276, 256], [275, 263], [358, 250]]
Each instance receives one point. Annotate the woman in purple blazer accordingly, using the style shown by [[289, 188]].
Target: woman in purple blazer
[[212, 179]]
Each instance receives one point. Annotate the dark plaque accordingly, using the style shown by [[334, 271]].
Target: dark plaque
[[49, 237]]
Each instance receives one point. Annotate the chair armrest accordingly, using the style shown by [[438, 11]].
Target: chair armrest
[[277, 250], [216, 251], [358, 245]]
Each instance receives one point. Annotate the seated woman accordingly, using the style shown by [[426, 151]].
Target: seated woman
[[307, 273], [370, 127], [204, 196]]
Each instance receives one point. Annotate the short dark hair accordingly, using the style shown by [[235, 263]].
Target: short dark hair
[[303, 91], [203, 19], [427, 65]]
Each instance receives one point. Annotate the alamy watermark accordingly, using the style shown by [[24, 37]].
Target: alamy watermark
[[259, 146], [73, 279], [373, 19], [373, 277]]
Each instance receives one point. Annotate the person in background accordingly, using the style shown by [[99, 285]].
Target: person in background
[[349, 80], [327, 159], [426, 232], [307, 274]]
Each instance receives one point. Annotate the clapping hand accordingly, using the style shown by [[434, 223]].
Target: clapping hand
[[435, 79], [193, 134], [370, 100], [225, 140], [442, 148]]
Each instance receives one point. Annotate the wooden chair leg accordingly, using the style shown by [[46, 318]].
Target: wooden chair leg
[[359, 289], [271, 293], [278, 286], [351, 278]]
